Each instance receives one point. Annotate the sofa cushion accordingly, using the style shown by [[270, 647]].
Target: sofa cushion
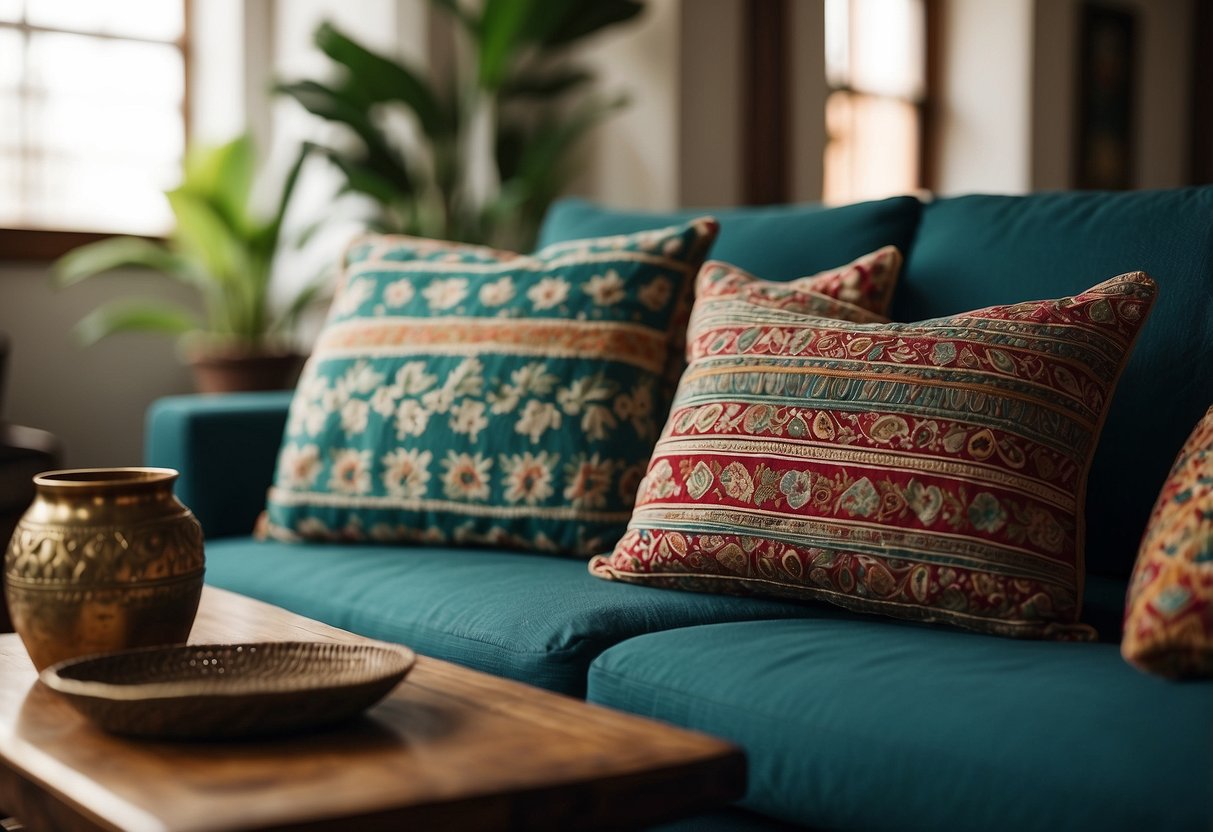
[[779, 242], [976, 251], [460, 394], [930, 471], [1169, 614], [535, 618], [853, 723]]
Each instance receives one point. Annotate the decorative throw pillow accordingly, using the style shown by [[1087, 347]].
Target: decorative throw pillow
[[463, 394], [932, 471], [859, 291], [1169, 614]]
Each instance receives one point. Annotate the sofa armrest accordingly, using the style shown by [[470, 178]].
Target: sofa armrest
[[225, 448]]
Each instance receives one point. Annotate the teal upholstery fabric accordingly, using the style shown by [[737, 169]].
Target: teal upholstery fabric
[[853, 723], [779, 242], [535, 618], [976, 251], [224, 447]]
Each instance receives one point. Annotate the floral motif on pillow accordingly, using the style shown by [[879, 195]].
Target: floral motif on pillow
[[1169, 614], [463, 394], [933, 471]]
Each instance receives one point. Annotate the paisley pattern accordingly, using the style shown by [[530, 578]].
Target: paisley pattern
[[1169, 614], [467, 395], [932, 471], [848, 293]]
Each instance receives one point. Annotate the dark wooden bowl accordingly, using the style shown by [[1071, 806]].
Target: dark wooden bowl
[[219, 691]]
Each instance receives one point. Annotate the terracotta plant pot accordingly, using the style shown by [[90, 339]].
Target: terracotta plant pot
[[236, 372]]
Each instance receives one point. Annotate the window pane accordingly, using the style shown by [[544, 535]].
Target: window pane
[[838, 43], [10, 11], [887, 39], [114, 70], [10, 190], [85, 126], [872, 151], [11, 58], [88, 196], [10, 121], [156, 19]]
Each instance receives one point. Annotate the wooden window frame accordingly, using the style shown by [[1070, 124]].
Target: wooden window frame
[[924, 103], [766, 168], [45, 244]]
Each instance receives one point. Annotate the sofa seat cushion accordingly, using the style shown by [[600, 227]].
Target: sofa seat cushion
[[853, 723], [534, 618]]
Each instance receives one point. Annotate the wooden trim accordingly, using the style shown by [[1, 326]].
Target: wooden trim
[[1200, 149], [928, 107], [1092, 96], [42, 245], [767, 104]]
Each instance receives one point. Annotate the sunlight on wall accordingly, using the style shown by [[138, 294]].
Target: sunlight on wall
[[876, 68]]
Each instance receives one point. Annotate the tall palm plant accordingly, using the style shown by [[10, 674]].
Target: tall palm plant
[[520, 90]]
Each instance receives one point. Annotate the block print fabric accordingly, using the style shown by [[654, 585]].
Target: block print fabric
[[1169, 614], [859, 291], [933, 471], [461, 394]]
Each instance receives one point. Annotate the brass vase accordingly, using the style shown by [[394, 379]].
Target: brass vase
[[104, 559]]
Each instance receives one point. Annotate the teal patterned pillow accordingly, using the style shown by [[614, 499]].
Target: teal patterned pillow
[[466, 395]]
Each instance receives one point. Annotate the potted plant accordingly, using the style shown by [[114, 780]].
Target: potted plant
[[220, 248], [494, 136]]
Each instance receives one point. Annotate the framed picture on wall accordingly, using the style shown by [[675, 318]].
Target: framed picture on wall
[[1106, 135]]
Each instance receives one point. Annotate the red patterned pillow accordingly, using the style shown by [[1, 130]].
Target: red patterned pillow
[[933, 471], [859, 291], [1169, 615]]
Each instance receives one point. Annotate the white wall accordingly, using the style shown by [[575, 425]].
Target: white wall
[[808, 95], [984, 105], [633, 159], [709, 139], [93, 398]]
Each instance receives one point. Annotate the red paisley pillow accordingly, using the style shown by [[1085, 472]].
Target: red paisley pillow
[[933, 471]]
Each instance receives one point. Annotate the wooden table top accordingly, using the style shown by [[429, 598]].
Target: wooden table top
[[449, 748]]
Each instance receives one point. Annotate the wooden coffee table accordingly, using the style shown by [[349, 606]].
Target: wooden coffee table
[[450, 748]]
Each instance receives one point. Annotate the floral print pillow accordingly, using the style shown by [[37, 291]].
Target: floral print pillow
[[1169, 614], [932, 471], [466, 395]]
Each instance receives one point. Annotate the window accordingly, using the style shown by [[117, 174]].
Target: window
[[92, 104], [876, 71]]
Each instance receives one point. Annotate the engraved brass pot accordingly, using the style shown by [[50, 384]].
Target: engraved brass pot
[[104, 559]]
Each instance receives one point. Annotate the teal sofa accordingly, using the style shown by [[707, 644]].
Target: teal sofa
[[848, 722]]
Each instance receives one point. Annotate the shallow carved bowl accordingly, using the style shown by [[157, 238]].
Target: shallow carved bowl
[[218, 691]]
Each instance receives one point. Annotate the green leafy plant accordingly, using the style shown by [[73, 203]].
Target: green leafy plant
[[517, 108], [217, 246]]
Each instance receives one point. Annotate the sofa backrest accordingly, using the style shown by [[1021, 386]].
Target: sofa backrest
[[976, 251], [776, 242]]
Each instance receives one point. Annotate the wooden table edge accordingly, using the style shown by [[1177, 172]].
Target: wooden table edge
[[718, 770]]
